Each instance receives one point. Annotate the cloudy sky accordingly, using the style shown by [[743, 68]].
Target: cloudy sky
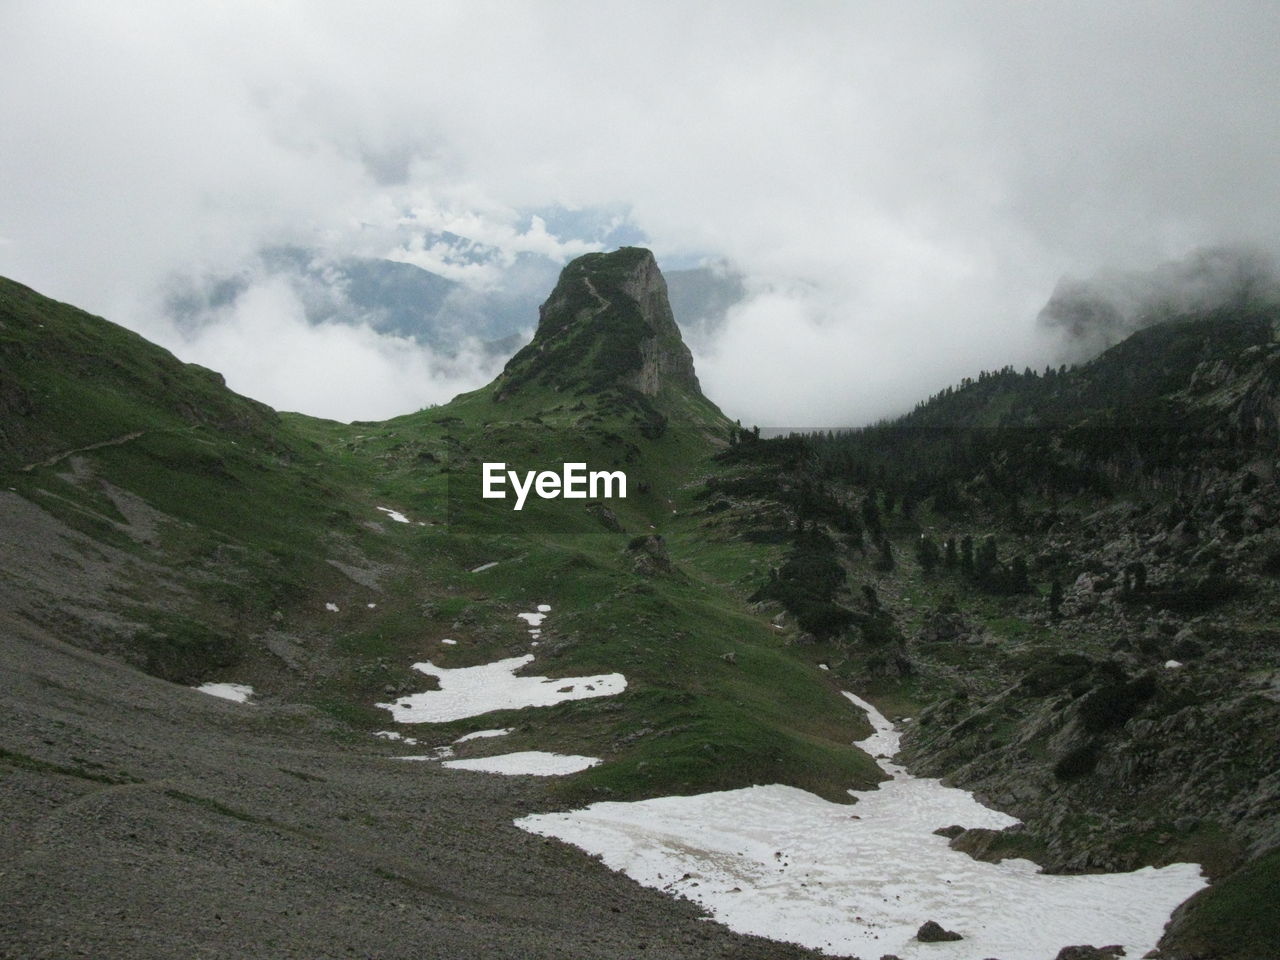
[[902, 184]]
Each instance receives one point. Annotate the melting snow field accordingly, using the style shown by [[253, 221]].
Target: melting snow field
[[778, 862], [439, 753], [533, 762], [239, 692], [394, 515], [472, 691], [482, 734]]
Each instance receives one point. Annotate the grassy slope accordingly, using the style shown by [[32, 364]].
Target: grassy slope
[[286, 493], [254, 504], [690, 720], [1236, 917]]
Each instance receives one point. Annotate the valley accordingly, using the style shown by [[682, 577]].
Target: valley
[[1093, 676]]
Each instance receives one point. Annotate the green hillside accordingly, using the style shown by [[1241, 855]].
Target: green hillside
[[1013, 566]]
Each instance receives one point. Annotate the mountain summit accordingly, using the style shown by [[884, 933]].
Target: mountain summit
[[607, 325]]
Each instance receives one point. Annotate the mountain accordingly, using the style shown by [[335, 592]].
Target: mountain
[[1091, 315], [701, 298], [159, 532], [405, 300], [1071, 578], [607, 326]]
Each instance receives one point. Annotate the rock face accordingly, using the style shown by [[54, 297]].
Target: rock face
[[607, 325], [1090, 953], [932, 932], [651, 556]]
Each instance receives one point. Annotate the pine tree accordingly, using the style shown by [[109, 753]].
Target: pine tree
[[986, 560], [927, 554], [966, 554], [949, 558], [884, 563], [871, 513], [1018, 580], [1055, 599]]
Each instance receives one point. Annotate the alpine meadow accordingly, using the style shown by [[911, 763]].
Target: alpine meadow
[[545, 480]]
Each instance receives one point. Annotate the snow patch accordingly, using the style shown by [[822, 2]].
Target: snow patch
[[532, 619], [331, 607], [482, 734], [885, 740], [535, 763], [1172, 664], [485, 566], [439, 753], [239, 692], [394, 735], [452, 643], [544, 608], [779, 862], [472, 691], [394, 515]]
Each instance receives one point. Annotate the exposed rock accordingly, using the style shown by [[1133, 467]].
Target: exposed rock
[[607, 324], [1090, 953], [651, 556], [933, 932], [608, 519], [946, 626]]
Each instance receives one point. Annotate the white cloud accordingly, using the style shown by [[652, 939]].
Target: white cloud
[[916, 177], [484, 250], [264, 346]]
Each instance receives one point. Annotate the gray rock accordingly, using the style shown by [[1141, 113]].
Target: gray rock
[[932, 932], [1090, 953]]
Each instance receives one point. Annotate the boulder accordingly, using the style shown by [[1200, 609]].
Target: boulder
[[932, 932], [1090, 953]]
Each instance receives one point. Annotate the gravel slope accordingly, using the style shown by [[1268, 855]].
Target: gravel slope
[[142, 820]]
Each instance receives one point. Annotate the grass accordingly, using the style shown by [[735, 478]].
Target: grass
[[217, 807], [1235, 918], [84, 772], [251, 506]]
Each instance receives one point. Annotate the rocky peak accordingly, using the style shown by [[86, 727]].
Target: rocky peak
[[607, 324]]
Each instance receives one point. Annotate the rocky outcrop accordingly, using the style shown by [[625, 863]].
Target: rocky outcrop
[[1090, 953], [607, 325], [650, 556], [933, 932]]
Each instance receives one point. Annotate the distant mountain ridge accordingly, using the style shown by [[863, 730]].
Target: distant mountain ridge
[[1094, 314], [407, 300]]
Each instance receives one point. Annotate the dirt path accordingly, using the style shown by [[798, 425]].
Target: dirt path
[[113, 442], [604, 304]]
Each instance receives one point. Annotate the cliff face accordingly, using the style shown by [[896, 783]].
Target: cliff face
[[607, 325]]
